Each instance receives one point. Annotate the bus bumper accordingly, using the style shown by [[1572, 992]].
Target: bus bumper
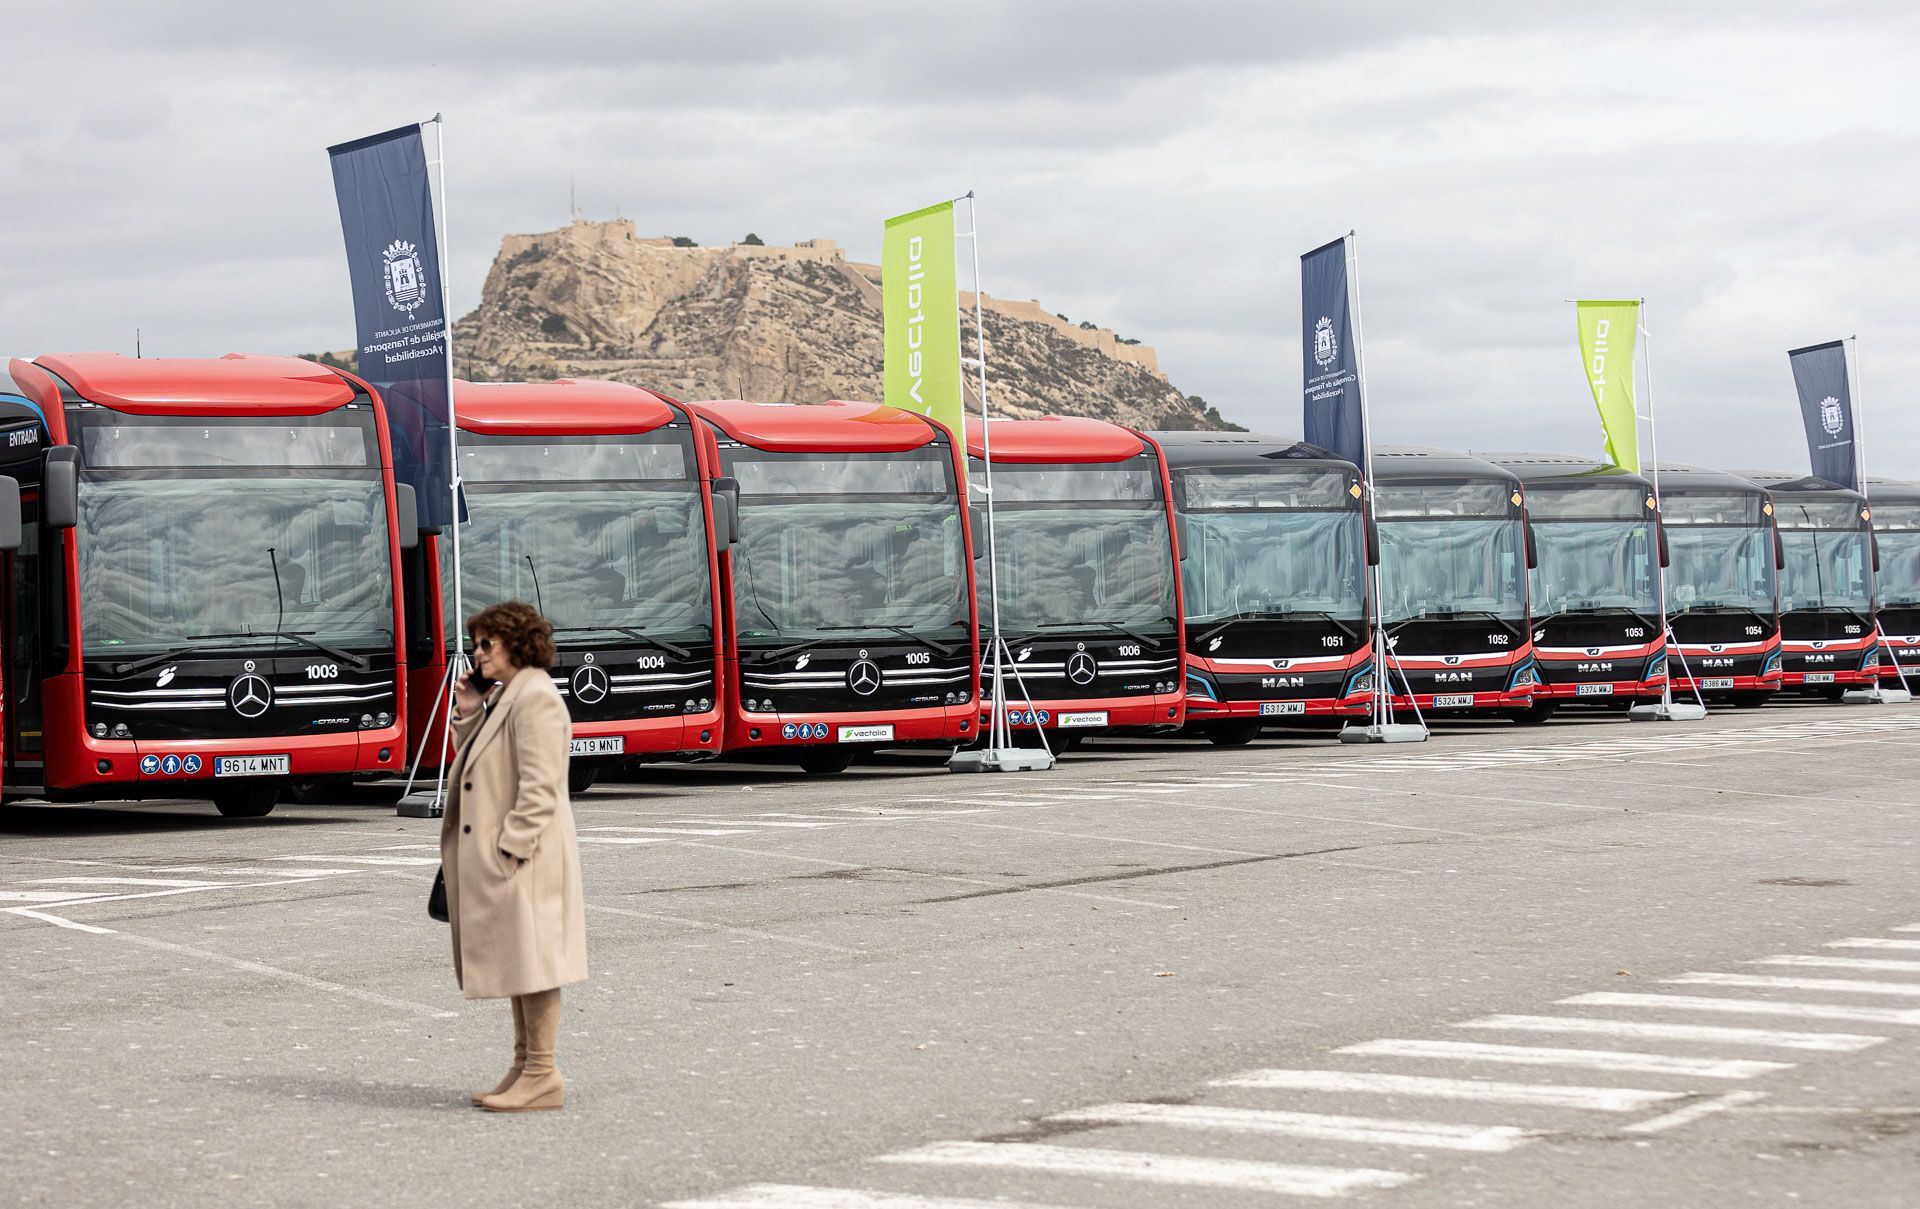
[[880, 728], [189, 768], [1160, 711]]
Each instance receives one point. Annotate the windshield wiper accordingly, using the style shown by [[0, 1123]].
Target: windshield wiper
[[1595, 611], [1462, 615], [633, 632], [945, 652], [1288, 615], [1115, 626], [360, 663]]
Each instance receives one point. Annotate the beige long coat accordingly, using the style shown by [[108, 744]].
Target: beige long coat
[[515, 932]]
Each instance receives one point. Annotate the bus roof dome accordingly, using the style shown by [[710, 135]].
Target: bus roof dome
[[835, 424], [163, 385], [1055, 439], [565, 405]]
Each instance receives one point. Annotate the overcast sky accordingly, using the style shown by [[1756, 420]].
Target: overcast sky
[[1750, 169]]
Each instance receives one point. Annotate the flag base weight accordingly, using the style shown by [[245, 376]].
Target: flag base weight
[[1389, 732], [419, 806], [1001, 759], [1876, 696], [1668, 711]]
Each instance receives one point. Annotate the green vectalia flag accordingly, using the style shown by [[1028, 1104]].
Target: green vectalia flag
[[921, 310], [1608, 331]]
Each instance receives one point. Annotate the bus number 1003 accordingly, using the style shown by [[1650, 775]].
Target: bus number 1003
[[323, 671]]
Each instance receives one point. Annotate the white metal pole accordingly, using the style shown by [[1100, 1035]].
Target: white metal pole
[[457, 656], [1653, 440], [1860, 474]]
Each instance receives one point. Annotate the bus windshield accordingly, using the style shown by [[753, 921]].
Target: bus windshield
[[1271, 542], [604, 532], [195, 529], [1825, 570], [1720, 567], [1448, 549], [1898, 526], [1597, 551], [833, 544]]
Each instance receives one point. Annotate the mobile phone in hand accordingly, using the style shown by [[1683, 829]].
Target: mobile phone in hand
[[480, 684]]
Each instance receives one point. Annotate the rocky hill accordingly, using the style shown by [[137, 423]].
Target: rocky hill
[[798, 324]]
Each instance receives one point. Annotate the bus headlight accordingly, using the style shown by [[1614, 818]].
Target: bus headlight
[[366, 721], [122, 731], [692, 705], [99, 730], [963, 696], [1362, 683], [383, 719], [705, 705]]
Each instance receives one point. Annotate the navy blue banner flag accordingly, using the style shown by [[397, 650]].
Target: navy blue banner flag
[[1826, 408], [1335, 416], [393, 257]]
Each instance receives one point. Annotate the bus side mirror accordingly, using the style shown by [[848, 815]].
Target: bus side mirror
[[726, 512], [406, 510], [977, 530], [1873, 541], [1373, 542], [1533, 548], [1779, 552], [60, 488], [9, 513], [1183, 532], [1660, 532]]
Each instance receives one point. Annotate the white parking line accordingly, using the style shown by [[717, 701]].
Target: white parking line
[[795, 1196], [43, 896], [1834, 1043], [1374, 1131], [1693, 1112], [1889, 964], [116, 881], [1858, 986], [1533, 1095], [1754, 1007], [1287, 1179], [706, 832], [1875, 942], [364, 860], [1589, 1059]]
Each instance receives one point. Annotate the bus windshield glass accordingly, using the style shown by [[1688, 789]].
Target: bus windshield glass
[[1080, 543], [193, 529], [1720, 552], [1898, 527], [1825, 570], [1597, 550], [1449, 549], [606, 532], [834, 544], [1270, 543]]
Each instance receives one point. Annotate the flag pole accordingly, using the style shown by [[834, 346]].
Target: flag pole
[[1666, 710], [1381, 727], [1873, 694], [999, 754]]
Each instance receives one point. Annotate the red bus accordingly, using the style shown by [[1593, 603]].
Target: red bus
[[1896, 531], [848, 590], [1273, 570], [1594, 590], [1455, 549], [1829, 642], [593, 501], [1089, 585], [1723, 584], [205, 599]]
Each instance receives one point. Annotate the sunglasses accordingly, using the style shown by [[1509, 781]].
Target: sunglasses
[[484, 645]]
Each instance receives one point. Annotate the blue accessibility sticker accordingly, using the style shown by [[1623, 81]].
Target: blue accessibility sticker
[[190, 765], [170, 765], [819, 730], [786, 732], [149, 765]]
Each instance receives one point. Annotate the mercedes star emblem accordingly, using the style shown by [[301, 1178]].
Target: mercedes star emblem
[[1081, 668], [590, 685], [864, 677], [250, 695]]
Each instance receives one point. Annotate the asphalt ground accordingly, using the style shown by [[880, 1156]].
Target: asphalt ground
[[1590, 963]]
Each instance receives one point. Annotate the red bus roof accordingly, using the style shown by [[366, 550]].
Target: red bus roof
[[1056, 439], [802, 427], [201, 386], [564, 406]]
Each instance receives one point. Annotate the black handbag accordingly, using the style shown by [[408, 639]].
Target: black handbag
[[437, 898]]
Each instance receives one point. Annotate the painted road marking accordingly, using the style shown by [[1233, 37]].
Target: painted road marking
[[1875, 942], [1757, 1007], [1889, 964], [622, 839], [1590, 1059], [1840, 1043], [1536, 1095], [1777, 983], [1377, 1131], [44, 896], [1693, 1112], [1287, 1179], [363, 860], [119, 881], [795, 1196]]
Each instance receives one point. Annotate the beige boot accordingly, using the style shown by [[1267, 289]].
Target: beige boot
[[519, 1053], [539, 1087]]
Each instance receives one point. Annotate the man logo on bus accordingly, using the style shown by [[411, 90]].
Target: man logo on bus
[[406, 277], [1830, 417], [1326, 345]]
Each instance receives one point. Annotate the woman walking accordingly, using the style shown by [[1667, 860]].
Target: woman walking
[[508, 849]]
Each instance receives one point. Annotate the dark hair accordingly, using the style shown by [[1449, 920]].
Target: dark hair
[[517, 626]]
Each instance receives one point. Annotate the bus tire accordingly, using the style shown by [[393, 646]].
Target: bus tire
[[1535, 714], [1750, 700], [581, 774], [825, 761], [1062, 744], [1233, 734], [246, 801]]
